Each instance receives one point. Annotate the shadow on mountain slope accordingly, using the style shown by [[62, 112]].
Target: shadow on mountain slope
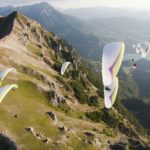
[[6, 143], [140, 110]]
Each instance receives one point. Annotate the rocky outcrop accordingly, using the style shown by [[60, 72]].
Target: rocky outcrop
[[54, 99], [54, 45], [38, 136], [62, 128], [31, 129], [87, 142], [46, 141], [47, 60], [36, 33], [87, 133], [52, 116], [24, 38]]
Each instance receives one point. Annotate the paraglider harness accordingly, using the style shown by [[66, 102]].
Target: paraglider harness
[[107, 88]]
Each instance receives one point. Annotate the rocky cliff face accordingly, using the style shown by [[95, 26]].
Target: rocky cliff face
[[54, 111]]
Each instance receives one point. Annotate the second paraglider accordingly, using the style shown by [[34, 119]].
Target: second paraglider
[[142, 48], [64, 67]]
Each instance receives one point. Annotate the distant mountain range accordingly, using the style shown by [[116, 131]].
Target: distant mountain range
[[116, 24], [89, 36], [127, 29], [76, 32], [107, 12]]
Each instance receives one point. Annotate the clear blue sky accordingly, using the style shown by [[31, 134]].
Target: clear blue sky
[[141, 4]]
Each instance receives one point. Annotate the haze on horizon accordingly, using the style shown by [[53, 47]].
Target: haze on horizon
[[65, 4]]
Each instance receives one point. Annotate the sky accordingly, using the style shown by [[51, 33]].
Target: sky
[[64, 4]]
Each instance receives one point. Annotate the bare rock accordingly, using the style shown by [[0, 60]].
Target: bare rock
[[62, 128], [54, 99], [87, 142], [89, 134], [46, 141], [39, 136], [31, 129], [52, 116]]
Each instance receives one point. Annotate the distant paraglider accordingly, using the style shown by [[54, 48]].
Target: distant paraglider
[[111, 61], [134, 66], [64, 67], [142, 48]]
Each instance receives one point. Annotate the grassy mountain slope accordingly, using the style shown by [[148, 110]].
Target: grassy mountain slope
[[107, 12], [75, 99]]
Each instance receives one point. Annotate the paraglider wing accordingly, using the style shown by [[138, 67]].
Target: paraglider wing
[[64, 67], [138, 51], [3, 74], [145, 48], [110, 95], [111, 61], [4, 90], [133, 45], [138, 48], [144, 54]]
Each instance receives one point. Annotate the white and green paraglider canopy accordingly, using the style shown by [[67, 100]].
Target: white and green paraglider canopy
[[4, 73], [142, 48], [110, 93], [5, 90], [111, 61], [64, 67]]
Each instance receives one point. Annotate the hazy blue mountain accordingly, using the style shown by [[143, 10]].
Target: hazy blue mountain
[[89, 36], [129, 30], [107, 12], [6, 9], [115, 24], [70, 28]]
